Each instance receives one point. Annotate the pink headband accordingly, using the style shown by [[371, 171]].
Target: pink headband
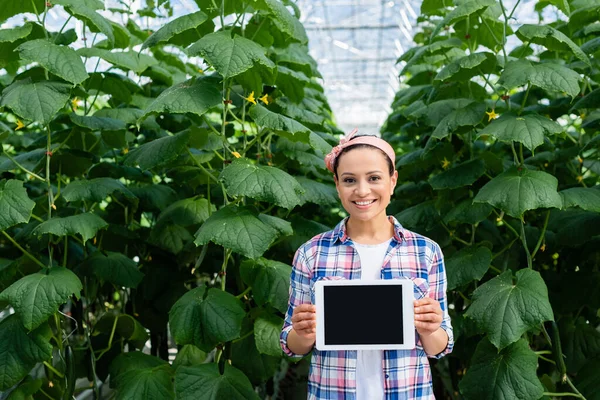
[[347, 141]]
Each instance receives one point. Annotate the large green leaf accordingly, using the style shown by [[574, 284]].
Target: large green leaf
[[85, 11], [241, 178], [270, 281], [239, 229], [509, 374], [97, 123], [195, 96], [590, 100], [580, 342], [585, 198], [204, 381], [175, 27], [281, 225], [170, 237], [188, 356], [86, 225], [15, 7], [94, 190], [21, 349], [466, 116], [15, 205], [266, 332], [588, 379], [462, 175], [317, 192], [37, 296], [528, 129], [36, 101], [548, 76], [186, 212], [61, 61], [277, 122], [468, 213], [158, 151], [520, 189], [115, 268], [291, 83], [137, 376], [505, 310], [128, 115], [467, 265], [128, 60], [13, 34], [464, 68], [206, 317], [283, 19], [551, 38], [125, 326], [462, 11], [297, 54], [230, 56], [420, 216], [257, 367]]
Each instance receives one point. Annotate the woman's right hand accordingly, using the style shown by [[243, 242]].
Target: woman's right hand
[[304, 322]]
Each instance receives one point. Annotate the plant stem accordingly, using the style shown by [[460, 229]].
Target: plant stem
[[62, 28], [110, 339], [541, 239], [227, 254], [525, 98], [201, 167], [565, 394], [245, 292], [25, 252], [49, 185], [51, 368], [524, 240], [36, 176]]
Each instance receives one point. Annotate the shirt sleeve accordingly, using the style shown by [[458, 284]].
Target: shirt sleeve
[[438, 285], [299, 294]]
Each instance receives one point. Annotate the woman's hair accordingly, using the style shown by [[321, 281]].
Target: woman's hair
[[361, 146]]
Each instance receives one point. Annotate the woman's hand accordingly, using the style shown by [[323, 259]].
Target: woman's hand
[[304, 322], [428, 316]]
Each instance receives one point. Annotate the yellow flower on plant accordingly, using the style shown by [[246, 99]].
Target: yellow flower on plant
[[75, 103], [445, 163], [492, 115], [236, 154], [265, 99], [20, 125], [251, 98], [579, 178]]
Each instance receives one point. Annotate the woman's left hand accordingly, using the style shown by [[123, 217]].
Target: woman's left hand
[[428, 316]]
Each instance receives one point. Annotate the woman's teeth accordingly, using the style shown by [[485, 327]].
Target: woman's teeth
[[364, 203]]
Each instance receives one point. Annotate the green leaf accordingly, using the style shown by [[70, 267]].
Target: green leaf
[[467, 116], [26, 389], [37, 296], [467, 212], [61, 61], [187, 212], [241, 178], [137, 376], [15, 205], [270, 281], [36, 101], [550, 38], [128, 115], [508, 374], [464, 68], [15, 7], [94, 190], [421, 216], [158, 151], [154, 197], [520, 189], [126, 327], [206, 317], [580, 342], [97, 123], [291, 83], [467, 265], [588, 379], [188, 356], [257, 367], [529, 129], [462, 175], [85, 11], [283, 19], [21, 350], [590, 100], [548, 76], [175, 27], [317, 192], [462, 11], [505, 310], [115, 268], [297, 54], [281, 225], [13, 34], [265, 118], [128, 60], [86, 225], [206, 382], [266, 332], [194, 96], [239, 229], [585, 198], [230, 56], [170, 237]]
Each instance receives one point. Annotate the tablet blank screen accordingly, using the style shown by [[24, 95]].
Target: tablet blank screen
[[365, 314]]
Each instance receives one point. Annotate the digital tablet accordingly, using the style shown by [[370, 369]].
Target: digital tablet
[[365, 315]]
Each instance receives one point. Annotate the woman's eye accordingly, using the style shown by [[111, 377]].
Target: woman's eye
[[375, 178], [348, 180]]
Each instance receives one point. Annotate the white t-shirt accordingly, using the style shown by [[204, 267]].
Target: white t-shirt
[[369, 363]]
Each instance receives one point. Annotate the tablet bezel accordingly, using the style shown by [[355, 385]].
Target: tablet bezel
[[408, 314]]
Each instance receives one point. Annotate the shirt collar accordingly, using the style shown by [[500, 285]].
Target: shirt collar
[[339, 232]]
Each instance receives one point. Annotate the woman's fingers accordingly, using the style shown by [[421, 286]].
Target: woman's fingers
[[303, 315]]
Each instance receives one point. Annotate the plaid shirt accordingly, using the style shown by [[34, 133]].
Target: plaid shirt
[[331, 255]]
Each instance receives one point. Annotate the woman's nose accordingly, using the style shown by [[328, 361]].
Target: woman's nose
[[362, 189]]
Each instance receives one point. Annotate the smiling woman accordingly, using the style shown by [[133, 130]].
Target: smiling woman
[[368, 245]]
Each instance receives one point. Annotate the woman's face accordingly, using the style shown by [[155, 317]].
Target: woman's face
[[364, 183]]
